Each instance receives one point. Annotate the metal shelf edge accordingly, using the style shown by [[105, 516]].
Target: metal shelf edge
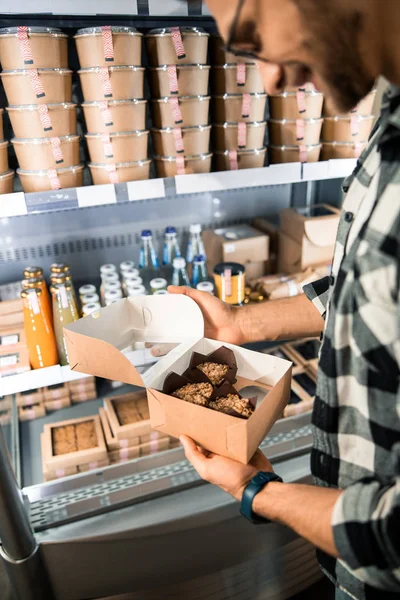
[[37, 378]]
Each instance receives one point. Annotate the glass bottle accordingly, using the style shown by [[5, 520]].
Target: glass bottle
[[89, 299], [88, 309], [126, 265], [33, 272], [199, 270], [65, 311], [39, 282], [111, 296], [205, 286], [148, 264], [170, 251], [64, 277], [180, 276], [59, 268], [40, 337], [195, 245], [157, 284], [136, 290], [107, 269], [87, 289]]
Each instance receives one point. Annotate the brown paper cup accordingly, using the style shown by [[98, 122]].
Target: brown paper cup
[[130, 146], [364, 108], [1, 124], [49, 87], [57, 121], [48, 50], [3, 156], [170, 166], [112, 83], [240, 159], [234, 108], [242, 136], [127, 49], [186, 111], [332, 150], [161, 50], [292, 133], [287, 154], [181, 140], [226, 80], [47, 153], [44, 181], [191, 80], [7, 182], [132, 171], [296, 105], [347, 129], [115, 116]]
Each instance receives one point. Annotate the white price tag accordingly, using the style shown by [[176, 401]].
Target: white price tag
[[96, 195], [9, 340], [63, 296], [10, 359]]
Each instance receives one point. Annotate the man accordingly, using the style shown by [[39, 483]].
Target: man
[[352, 514]]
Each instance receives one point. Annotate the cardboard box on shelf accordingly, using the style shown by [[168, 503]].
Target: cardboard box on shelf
[[123, 454], [5, 416], [78, 397], [68, 444], [29, 397], [153, 436], [239, 243], [33, 411], [113, 443], [125, 417], [307, 237], [55, 392], [82, 385], [272, 231], [96, 346], [57, 404], [9, 307], [154, 446], [97, 464], [14, 361]]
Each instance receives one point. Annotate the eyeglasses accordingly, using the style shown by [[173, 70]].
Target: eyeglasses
[[230, 46]]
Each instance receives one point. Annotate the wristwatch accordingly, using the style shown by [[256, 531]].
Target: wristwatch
[[251, 490]]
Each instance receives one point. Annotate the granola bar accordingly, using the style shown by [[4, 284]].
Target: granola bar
[[215, 372]]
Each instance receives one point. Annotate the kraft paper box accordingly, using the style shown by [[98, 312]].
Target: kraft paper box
[[96, 345], [14, 361], [12, 337], [307, 237], [239, 243], [29, 397], [272, 231]]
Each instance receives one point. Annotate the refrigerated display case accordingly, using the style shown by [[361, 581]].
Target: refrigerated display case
[[148, 527]]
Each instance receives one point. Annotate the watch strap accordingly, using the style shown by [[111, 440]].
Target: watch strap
[[255, 486]]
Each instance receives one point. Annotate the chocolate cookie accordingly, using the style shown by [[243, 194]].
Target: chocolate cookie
[[215, 372]]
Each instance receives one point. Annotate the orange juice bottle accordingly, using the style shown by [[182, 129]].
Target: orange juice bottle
[[39, 282], [40, 337]]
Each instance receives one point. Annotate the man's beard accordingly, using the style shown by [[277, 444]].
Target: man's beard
[[334, 40]]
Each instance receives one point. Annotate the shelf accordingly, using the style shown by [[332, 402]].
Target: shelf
[[19, 204], [37, 378], [104, 7]]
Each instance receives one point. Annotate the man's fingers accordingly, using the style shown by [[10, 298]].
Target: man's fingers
[[162, 349], [193, 454]]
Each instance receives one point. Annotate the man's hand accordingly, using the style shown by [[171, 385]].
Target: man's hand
[[226, 473], [220, 319]]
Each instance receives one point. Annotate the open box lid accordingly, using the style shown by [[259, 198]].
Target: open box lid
[[95, 344], [319, 226]]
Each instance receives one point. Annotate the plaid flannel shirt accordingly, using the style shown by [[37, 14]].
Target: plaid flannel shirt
[[356, 418]]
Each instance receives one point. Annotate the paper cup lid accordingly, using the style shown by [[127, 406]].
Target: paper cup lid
[[55, 106], [229, 124], [167, 31], [59, 171], [33, 29], [7, 174], [283, 121], [136, 163], [189, 66], [114, 102], [111, 68], [308, 148], [192, 157], [167, 99], [240, 96], [240, 152], [57, 71], [114, 29], [191, 127], [63, 138], [137, 133]]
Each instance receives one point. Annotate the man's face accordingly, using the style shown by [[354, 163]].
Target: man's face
[[303, 40]]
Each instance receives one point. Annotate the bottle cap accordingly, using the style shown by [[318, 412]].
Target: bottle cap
[[170, 230], [158, 283], [196, 228], [90, 308], [136, 290], [112, 295], [146, 233], [87, 289], [130, 274], [108, 269], [127, 265], [129, 282], [111, 285], [108, 277], [161, 293], [205, 286], [31, 283], [200, 258], [179, 262], [59, 268], [60, 278], [89, 299], [30, 272]]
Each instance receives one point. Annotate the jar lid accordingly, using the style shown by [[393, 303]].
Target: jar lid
[[55, 105], [231, 124], [31, 282], [158, 283], [136, 290], [189, 157], [33, 29], [114, 29], [58, 71], [256, 151], [27, 293], [350, 117], [7, 174], [234, 268], [89, 298], [188, 66], [108, 268], [136, 163], [59, 268], [308, 148], [167, 31], [240, 96], [161, 293], [167, 99], [283, 121], [186, 128], [127, 265], [179, 262], [205, 286], [87, 289]]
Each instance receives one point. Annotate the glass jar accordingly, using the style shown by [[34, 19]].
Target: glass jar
[[230, 282], [40, 338], [89, 309], [158, 284], [206, 286]]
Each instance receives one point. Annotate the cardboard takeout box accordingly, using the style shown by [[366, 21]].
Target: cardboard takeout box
[[96, 346]]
